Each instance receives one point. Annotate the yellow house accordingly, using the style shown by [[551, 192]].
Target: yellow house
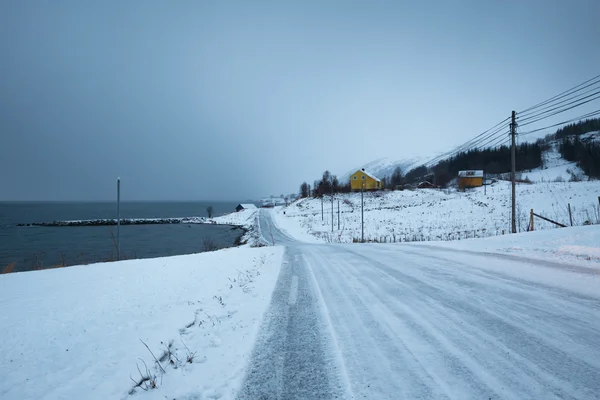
[[361, 179], [470, 179]]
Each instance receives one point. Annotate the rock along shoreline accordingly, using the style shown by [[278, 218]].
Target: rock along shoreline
[[124, 221]]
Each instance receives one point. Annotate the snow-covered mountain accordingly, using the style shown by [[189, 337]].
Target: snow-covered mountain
[[385, 166]]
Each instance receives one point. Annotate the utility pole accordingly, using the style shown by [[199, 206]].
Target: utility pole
[[118, 218], [322, 215], [331, 208], [484, 185], [362, 213], [338, 214], [513, 134]]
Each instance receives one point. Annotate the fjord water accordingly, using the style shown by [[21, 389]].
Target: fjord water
[[42, 247]]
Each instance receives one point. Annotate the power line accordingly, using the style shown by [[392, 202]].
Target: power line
[[496, 142], [559, 104], [568, 92], [564, 101], [471, 143], [591, 114], [464, 147], [579, 103], [492, 139]]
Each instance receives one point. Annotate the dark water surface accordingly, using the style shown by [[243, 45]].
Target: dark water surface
[[42, 247]]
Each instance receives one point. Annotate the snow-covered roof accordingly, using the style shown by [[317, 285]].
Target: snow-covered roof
[[247, 206], [362, 171], [470, 174]]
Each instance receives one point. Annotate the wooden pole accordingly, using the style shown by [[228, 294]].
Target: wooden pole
[[513, 134], [549, 220], [322, 214], [332, 216], [531, 220], [570, 214]]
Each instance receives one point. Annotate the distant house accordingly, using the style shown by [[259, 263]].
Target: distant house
[[272, 202], [241, 207], [426, 185], [362, 180], [470, 179]]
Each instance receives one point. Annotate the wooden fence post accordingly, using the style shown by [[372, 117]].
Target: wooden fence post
[[531, 219], [570, 214]]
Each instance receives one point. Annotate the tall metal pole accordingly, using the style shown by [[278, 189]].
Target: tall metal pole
[[484, 185], [362, 213], [513, 134], [118, 218]]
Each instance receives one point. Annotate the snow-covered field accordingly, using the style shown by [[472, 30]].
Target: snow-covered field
[[77, 332], [431, 214]]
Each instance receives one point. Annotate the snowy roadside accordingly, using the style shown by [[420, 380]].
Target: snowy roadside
[[247, 219], [578, 245], [438, 215], [77, 332]]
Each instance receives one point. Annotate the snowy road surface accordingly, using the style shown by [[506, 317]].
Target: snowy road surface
[[410, 322]]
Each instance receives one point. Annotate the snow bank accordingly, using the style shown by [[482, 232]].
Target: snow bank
[[243, 218], [76, 332], [575, 246], [432, 214]]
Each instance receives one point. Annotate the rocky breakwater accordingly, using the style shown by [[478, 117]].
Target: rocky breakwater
[[124, 221]]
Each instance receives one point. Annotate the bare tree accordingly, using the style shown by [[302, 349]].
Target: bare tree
[[304, 190], [209, 211], [397, 177]]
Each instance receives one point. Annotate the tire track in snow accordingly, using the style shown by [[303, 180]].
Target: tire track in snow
[[290, 359], [379, 366], [529, 354]]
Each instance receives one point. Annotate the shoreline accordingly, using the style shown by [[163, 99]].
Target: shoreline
[[125, 221]]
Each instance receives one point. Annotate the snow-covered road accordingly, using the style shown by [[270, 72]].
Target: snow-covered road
[[414, 322]]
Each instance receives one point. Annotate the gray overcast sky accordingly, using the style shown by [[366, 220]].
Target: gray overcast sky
[[235, 100]]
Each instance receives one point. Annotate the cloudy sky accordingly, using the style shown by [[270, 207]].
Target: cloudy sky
[[212, 100]]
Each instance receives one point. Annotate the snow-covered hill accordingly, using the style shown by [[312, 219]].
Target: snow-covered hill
[[590, 137], [433, 214], [385, 166], [556, 168]]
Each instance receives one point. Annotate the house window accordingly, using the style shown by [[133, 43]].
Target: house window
[[354, 177], [363, 177]]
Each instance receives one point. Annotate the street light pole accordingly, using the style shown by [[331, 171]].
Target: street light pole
[[118, 218]]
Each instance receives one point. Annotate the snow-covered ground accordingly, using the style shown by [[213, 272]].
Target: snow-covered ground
[[431, 214], [77, 332], [245, 218], [430, 321], [578, 246], [556, 168]]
